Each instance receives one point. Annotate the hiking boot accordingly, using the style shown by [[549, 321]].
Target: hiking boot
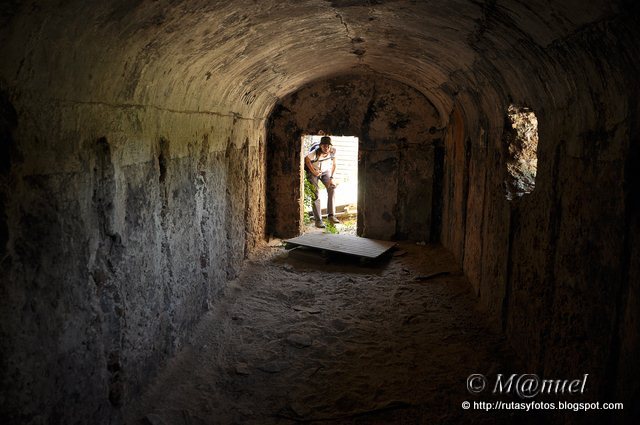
[[334, 219], [320, 224]]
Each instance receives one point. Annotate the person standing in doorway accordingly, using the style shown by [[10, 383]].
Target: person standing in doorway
[[321, 165]]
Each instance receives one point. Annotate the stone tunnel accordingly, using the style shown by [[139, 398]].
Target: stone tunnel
[[148, 148]]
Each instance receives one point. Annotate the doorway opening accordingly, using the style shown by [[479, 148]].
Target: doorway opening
[[345, 179]]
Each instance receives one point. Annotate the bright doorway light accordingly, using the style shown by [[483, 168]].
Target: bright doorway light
[[345, 177]]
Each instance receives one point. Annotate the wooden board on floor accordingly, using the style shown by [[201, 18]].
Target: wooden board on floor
[[344, 244]]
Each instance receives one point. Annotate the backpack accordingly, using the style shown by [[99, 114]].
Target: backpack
[[315, 147]]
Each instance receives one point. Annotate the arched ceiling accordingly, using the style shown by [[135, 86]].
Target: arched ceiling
[[241, 56]]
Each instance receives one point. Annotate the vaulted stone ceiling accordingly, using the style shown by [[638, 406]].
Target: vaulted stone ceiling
[[241, 56]]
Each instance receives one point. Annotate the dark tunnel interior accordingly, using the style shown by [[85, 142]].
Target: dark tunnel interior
[[150, 148]]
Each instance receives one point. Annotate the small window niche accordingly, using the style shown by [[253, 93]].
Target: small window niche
[[521, 144]]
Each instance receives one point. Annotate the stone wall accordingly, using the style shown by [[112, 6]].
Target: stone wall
[[398, 131], [555, 268], [125, 223]]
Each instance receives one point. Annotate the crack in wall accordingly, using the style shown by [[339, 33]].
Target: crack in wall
[[346, 27]]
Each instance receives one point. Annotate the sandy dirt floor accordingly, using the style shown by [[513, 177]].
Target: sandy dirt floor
[[299, 341]]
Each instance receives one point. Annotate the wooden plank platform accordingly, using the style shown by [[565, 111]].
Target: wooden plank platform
[[344, 244]]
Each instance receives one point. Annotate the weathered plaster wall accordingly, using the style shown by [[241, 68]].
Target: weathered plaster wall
[[129, 199], [398, 131], [125, 224]]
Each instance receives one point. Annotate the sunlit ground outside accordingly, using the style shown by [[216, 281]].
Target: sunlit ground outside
[[348, 225]]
